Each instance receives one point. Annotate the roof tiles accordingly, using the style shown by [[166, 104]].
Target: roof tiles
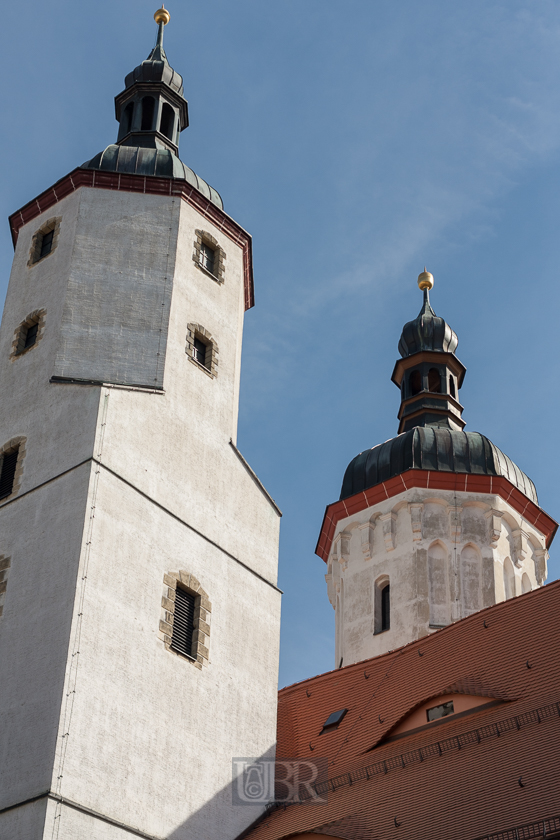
[[462, 777]]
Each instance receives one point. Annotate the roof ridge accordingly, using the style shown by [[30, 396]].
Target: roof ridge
[[424, 640]]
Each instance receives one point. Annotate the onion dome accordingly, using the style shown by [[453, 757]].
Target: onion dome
[[431, 435], [427, 331], [435, 449]]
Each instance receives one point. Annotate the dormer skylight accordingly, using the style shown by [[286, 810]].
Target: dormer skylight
[[334, 719]]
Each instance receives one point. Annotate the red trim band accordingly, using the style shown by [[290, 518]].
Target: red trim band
[[149, 184], [462, 482]]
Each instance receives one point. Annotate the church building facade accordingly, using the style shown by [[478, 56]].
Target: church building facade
[[139, 607]]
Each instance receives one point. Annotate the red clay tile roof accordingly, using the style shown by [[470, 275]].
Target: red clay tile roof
[[457, 778]]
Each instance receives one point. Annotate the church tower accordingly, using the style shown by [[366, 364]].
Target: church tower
[[434, 524], [139, 611]]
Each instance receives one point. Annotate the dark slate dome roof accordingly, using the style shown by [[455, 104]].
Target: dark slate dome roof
[[432, 448], [427, 332], [156, 68], [145, 161]]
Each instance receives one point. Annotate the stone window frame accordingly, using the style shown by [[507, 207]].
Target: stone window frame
[[210, 366], [18, 344], [37, 240], [5, 563], [202, 614], [20, 443], [203, 237]]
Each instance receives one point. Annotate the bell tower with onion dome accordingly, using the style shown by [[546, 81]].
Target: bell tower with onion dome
[[139, 611], [434, 524]]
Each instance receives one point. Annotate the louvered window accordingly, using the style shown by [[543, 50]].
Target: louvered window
[[183, 622], [8, 472]]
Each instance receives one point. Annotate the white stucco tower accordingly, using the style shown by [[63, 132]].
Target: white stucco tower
[[139, 612], [434, 524]]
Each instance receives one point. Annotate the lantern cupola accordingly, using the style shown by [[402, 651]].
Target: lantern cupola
[[152, 110], [429, 373]]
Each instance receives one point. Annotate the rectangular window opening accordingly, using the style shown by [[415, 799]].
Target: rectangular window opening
[[8, 473], [46, 244], [200, 351], [183, 622], [31, 336], [440, 711], [207, 257]]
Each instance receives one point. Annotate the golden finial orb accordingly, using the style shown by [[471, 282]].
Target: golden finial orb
[[426, 280], [162, 16]]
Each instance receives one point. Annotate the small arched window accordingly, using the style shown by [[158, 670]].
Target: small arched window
[[525, 583], [415, 382], [452, 387], [434, 381], [382, 605], [127, 117], [386, 607], [148, 104], [167, 121]]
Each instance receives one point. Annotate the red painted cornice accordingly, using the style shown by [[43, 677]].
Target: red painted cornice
[[461, 482], [142, 184]]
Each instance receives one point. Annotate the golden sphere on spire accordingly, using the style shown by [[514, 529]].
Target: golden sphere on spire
[[426, 280], [162, 16]]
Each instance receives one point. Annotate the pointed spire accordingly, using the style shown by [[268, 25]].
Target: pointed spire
[[426, 282], [162, 18]]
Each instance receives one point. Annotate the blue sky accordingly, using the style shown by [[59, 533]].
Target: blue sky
[[356, 141]]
